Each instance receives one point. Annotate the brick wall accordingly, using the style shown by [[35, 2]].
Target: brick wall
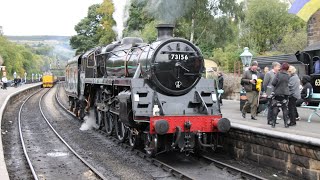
[[296, 159], [314, 28]]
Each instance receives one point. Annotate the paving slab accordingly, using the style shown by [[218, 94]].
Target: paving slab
[[231, 110], [5, 95]]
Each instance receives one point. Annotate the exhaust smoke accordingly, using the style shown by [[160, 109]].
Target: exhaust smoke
[[89, 121], [168, 11], [120, 15]]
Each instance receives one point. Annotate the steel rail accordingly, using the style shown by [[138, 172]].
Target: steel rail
[[22, 140], [231, 169], [91, 167], [141, 154], [168, 168]]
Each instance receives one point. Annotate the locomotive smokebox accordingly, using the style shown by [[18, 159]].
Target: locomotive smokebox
[[165, 31]]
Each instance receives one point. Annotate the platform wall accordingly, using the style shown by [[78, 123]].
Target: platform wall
[[297, 159]]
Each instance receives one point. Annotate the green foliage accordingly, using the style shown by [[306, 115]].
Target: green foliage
[[220, 28], [293, 41], [95, 29], [149, 32], [267, 22], [227, 57], [192, 18], [19, 59], [138, 16], [105, 32]]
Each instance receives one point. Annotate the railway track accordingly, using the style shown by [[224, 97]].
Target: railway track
[[232, 170], [36, 143], [167, 167], [156, 162]]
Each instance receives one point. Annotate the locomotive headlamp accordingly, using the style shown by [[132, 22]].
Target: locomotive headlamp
[[246, 58]]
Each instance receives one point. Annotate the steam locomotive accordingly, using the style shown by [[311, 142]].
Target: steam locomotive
[[152, 95]]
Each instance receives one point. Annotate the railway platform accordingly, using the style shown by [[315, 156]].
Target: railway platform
[[5, 96], [231, 110]]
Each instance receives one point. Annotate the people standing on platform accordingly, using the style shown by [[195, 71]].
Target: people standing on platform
[[280, 95], [294, 89], [220, 85], [249, 79], [306, 93], [263, 74], [316, 65], [268, 88], [4, 81]]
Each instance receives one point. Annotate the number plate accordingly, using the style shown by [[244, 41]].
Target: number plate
[[178, 57]]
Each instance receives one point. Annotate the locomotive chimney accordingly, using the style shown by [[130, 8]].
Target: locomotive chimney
[[165, 31]]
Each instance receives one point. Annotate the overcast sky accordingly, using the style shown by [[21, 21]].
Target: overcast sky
[[42, 17]]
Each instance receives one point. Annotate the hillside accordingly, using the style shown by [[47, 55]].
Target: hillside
[[54, 46]]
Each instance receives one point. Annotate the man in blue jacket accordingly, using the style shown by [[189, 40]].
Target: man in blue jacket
[[316, 65]]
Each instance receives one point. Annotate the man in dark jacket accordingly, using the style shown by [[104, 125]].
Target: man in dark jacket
[[267, 86], [307, 90], [281, 94], [249, 79], [220, 85], [306, 93]]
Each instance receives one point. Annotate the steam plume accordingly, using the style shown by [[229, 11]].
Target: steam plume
[[168, 11], [89, 122], [120, 15]]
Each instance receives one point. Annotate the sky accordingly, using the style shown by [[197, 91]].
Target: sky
[[42, 17]]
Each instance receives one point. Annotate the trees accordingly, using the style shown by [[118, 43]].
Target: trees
[[18, 58], [221, 28], [200, 21], [95, 29], [106, 34], [267, 22], [293, 41]]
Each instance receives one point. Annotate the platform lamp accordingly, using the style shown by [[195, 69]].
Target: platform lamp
[[246, 58]]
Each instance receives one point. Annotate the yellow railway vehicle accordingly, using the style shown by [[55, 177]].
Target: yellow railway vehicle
[[47, 81]]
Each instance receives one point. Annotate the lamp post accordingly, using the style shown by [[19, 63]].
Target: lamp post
[[246, 58], [32, 77], [25, 77]]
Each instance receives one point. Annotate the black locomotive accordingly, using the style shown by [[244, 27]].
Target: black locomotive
[[151, 94], [309, 57]]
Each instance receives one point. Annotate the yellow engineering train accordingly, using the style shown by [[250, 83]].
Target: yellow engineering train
[[48, 80]]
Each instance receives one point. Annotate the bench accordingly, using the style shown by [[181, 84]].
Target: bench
[[316, 109]]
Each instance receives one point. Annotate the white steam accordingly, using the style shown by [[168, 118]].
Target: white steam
[[120, 15], [89, 121]]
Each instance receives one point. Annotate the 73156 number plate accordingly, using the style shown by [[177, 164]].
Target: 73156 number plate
[[179, 57]]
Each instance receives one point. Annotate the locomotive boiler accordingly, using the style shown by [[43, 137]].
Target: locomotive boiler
[[151, 94]]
